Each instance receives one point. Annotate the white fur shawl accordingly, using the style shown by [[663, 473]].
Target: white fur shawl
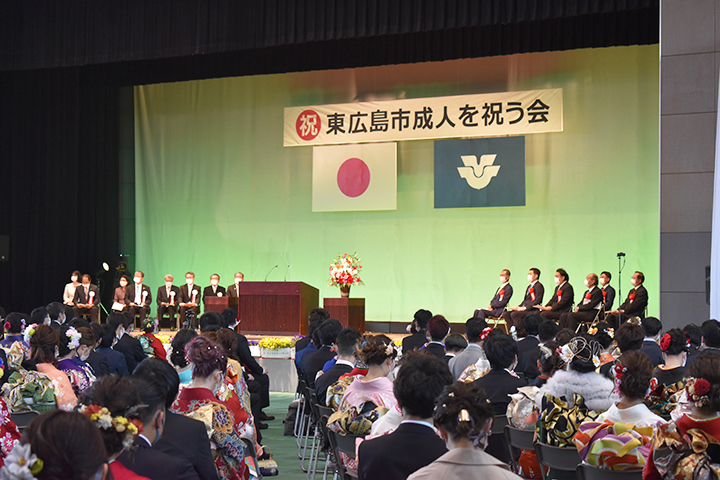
[[596, 389]]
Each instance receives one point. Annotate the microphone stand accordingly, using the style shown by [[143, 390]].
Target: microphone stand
[[621, 265]]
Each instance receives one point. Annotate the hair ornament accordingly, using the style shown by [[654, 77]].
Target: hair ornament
[[74, 337], [464, 416], [688, 343], [651, 388], [21, 464], [29, 332], [665, 342], [102, 418], [545, 352], [7, 326], [697, 390], [486, 331], [389, 349]]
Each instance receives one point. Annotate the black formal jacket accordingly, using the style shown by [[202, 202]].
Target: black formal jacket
[[528, 355], [99, 364], [162, 295], [566, 299], [116, 361], [186, 295], [156, 465], [595, 299], [302, 343], [609, 297], [635, 307], [414, 341], [184, 437], [132, 349], [246, 358], [498, 385], [502, 297], [328, 378], [436, 349], [232, 290], [399, 454], [80, 295], [313, 362], [130, 295], [652, 350], [533, 298], [208, 292]]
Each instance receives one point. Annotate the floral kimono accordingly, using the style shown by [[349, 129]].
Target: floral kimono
[[80, 374]]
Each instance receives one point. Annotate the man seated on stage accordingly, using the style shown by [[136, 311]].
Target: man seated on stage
[[417, 339], [139, 297], [190, 296], [214, 290], [232, 290], [635, 303], [588, 310], [608, 291], [500, 300], [533, 296], [87, 299], [562, 298], [167, 300]]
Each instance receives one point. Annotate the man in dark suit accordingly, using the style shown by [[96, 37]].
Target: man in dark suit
[[145, 460], [232, 290], [635, 303], [168, 297], [437, 329], [56, 312], [126, 343], [608, 291], [414, 444], [215, 289], [139, 297], [190, 296], [652, 327], [314, 362], [345, 344], [500, 300], [183, 437], [418, 338], [315, 318], [117, 365], [97, 361], [588, 309], [87, 299], [562, 298], [533, 296], [529, 347]]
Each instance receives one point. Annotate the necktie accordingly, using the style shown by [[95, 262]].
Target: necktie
[[87, 294]]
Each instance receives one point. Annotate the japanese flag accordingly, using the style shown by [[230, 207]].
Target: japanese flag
[[355, 177]]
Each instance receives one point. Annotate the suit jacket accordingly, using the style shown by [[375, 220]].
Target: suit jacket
[[130, 295], [436, 349], [156, 465], [502, 297], [398, 454], [162, 295], [566, 299], [243, 353], [99, 364], [464, 359], [414, 341], [533, 296], [81, 298], [528, 355], [609, 297], [184, 437], [314, 362], [302, 343], [117, 364], [595, 300], [232, 291], [328, 378], [652, 350], [498, 385], [186, 295], [635, 303], [208, 292], [132, 349], [120, 295]]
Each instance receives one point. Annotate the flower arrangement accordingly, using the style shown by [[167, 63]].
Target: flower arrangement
[[345, 271], [274, 343], [74, 337]]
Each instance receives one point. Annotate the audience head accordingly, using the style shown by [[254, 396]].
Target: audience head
[[78, 323], [56, 311], [633, 372], [603, 335], [152, 414], [474, 328], [180, 341], [500, 350], [564, 336], [706, 395], [651, 327], [605, 278], [328, 332], [455, 343], [347, 341], [377, 350], [317, 315], [674, 342], [547, 331], [108, 336], [531, 324], [421, 319], [629, 336], [163, 374], [637, 279], [561, 276], [207, 359], [209, 318], [550, 361], [438, 328], [229, 341], [97, 331], [711, 333], [39, 316], [117, 322], [87, 343], [694, 334], [229, 318], [581, 353], [463, 411], [420, 380], [16, 322], [44, 345], [69, 445]]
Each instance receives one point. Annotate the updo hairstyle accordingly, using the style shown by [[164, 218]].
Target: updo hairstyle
[[636, 379], [462, 410], [43, 343], [206, 356], [374, 350], [707, 366], [181, 339], [674, 342]]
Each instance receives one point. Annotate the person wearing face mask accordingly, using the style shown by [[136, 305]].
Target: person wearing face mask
[[635, 303], [562, 298], [125, 343], [533, 296], [464, 419], [87, 299], [215, 289], [73, 351], [140, 299], [209, 365], [190, 297], [588, 309], [232, 290], [168, 297], [608, 292], [69, 292], [120, 298], [500, 300]]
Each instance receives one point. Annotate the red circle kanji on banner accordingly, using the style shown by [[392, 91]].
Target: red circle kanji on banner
[[308, 125]]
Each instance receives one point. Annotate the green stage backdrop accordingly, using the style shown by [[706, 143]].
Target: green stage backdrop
[[216, 191]]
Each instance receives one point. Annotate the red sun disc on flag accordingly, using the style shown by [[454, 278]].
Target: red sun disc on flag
[[353, 177]]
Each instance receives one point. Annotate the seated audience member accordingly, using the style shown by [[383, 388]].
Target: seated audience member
[[635, 303], [628, 337], [139, 298], [499, 383], [168, 297], [183, 437], [633, 372], [69, 291], [44, 343], [651, 327], [580, 377], [687, 447], [215, 289], [154, 346], [710, 330], [87, 299], [547, 331], [454, 344], [533, 296], [529, 347], [313, 363], [126, 343], [316, 316], [437, 329], [674, 351], [310, 347], [464, 419], [473, 331], [177, 355], [80, 374], [15, 324], [564, 336], [96, 361], [234, 289], [608, 291], [190, 297], [500, 300], [120, 297], [548, 363], [562, 298], [198, 400], [39, 316], [117, 365], [414, 444], [227, 339], [694, 335], [55, 314], [589, 307], [345, 345], [58, 445], [419, 338], [602, 333]]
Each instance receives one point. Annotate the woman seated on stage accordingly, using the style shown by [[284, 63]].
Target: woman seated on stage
[[80, 374], [177, 356], [674, 345], [198, 400], [44, 343], [120, 293]]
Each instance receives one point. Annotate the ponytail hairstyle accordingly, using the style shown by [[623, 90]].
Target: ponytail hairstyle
[[462, 410], [376, 349], [43, 344]]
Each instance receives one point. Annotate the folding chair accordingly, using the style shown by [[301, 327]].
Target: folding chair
[[250, 452], [559, 458], [342, 444], [310, 429], [497, 322], [518, 438], [588, 472], [22, 419]]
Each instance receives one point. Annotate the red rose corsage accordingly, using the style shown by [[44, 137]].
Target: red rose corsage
[[665, 342], [486, 331]]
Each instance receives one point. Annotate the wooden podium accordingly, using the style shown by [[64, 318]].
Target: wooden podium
[[218, 304], [350, 312], [276, 307]]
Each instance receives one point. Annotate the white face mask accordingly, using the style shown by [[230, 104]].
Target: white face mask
[[557, 280], [602, 281], [73, 278], [502, 280], [587, 284], [137, 280], [633, 282], [530, 278], [84, 357], [213, 282], [189, 281], [238, 279], [123, 283], [168, 284]]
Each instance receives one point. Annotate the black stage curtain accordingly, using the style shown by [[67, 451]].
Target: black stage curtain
[[59, 183]]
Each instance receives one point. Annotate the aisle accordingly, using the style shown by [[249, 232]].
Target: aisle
[[284, 448]]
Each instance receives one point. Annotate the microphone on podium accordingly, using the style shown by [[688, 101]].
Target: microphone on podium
[[286, 272], [268, 274]]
